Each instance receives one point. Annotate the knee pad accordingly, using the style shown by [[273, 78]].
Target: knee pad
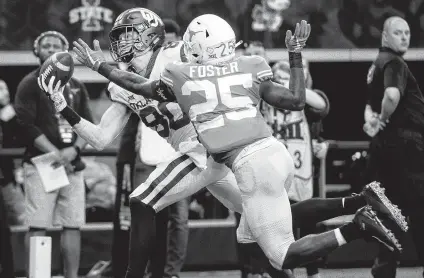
[[269, 220], [277, 254]]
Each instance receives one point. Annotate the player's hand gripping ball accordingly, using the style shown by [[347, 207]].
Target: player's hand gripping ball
[[60, 65], [55, 73]]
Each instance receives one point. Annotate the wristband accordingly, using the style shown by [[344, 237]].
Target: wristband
[[295, 59], [70, 115], [105, 69]]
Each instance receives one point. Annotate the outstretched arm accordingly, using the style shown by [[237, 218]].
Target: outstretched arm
[[111, 124], [130, 81], [94, 59], [98, 136], [294, 97], [279, 96]]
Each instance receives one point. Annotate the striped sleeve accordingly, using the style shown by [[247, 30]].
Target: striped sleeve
[[165, 78], [264, 75], [264, 71]]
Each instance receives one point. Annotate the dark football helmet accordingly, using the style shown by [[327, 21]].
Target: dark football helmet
[[134, 33]]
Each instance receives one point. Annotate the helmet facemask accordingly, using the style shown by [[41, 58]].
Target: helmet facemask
[[128, 42], [192, 52]]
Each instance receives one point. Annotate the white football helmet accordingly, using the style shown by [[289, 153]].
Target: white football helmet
[[209, 39]]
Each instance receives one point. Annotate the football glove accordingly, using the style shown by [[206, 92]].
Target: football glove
[[87, 56], [297, 41], [55, 93]]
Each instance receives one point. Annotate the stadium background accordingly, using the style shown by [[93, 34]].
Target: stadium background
[[345, 35]]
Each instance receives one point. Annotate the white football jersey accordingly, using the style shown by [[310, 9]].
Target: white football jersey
[[166, 119]]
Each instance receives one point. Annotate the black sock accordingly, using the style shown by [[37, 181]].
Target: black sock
[[256, 261], [158, 257], [352, 204], [253, 257], [275, 273], [142, 238], [312, 211], [350, 232]]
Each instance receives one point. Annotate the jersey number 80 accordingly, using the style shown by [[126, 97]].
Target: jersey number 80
[[161, 119]]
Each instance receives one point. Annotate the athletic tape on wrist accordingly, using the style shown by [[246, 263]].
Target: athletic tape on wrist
[[295, 60]]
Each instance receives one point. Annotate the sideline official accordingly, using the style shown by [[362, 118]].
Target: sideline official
[[394, 117]]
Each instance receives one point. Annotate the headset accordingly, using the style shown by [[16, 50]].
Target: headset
[[36, 45]]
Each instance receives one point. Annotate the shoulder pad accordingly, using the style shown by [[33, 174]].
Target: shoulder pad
[[254, 59], [173, 65], [173, 51]]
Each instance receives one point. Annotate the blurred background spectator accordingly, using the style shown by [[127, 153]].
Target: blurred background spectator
[[337, 24], [45, 131], [12, 211], [13, 195]]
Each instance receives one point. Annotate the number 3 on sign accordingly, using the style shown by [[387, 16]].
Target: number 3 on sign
[[212, 101]]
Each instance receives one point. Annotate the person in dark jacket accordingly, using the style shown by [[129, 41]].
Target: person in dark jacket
[[394, 118], [46, 131]]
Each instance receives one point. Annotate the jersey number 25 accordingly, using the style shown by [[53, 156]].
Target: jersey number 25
[[224, 90]]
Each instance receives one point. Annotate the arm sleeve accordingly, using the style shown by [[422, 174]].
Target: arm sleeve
[[26, 108], [84, 109], [395, 75]]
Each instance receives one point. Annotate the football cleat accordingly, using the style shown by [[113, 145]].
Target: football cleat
[[372, 227], [375, 197]]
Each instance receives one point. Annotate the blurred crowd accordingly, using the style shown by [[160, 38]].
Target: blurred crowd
[[337, 24]]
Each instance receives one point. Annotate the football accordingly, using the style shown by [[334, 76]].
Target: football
[[60, 65]]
